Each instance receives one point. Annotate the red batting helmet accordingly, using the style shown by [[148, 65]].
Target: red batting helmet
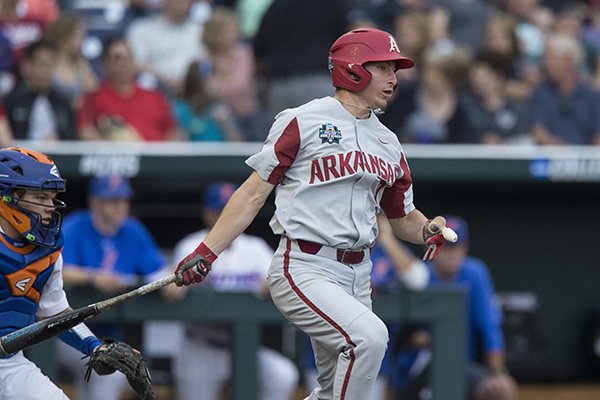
[[355, 48]]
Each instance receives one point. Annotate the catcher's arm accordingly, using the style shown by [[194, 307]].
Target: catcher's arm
[[80, 337]]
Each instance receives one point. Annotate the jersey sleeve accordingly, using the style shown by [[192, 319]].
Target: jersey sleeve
[[397, 200], [53, 299], [279, 151]]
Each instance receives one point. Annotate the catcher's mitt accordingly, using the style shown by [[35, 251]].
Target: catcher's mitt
[[118, 356]]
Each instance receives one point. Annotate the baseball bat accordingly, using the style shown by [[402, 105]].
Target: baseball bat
[[448, 233], [47, 328]]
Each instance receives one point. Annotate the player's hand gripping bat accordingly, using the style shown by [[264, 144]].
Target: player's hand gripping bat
[[47, 328], [435, 235]]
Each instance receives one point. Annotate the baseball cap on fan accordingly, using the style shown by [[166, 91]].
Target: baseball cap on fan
[[458, 225], [218, 194], [110, 187]]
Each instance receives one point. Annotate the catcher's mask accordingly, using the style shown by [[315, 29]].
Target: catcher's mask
[[23, 170], [351, 51]]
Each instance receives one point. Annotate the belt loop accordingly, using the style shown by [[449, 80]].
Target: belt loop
[[309, 247]]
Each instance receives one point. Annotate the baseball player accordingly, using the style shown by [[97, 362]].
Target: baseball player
[[31, 285], [206, 357], [334, 165]]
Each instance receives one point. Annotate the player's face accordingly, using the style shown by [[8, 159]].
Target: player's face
[[41, 202], [381, 87], [110, 213]]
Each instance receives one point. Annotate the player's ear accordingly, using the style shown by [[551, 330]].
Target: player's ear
[[353, 76]]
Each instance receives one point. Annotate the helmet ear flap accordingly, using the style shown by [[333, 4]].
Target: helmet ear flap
[[16, 218]]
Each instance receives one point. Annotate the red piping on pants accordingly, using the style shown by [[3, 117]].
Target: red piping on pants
[[312, 306]]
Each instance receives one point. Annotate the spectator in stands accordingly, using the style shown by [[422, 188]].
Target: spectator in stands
[[17, 31], [414, 38], [493, 118], [199, 116], [73, 75], [232, 76], [501, 37], [122, 110], [250, 13], [467, 21], [203, 365], [6, 136], [104, 19], [430, 111], [386, 12], [487, 377], [530, 35], [165, 44], [290, 57], [569, 21], [564, 110], [591, 35], [35, 109], [45, 10], [108, 250]]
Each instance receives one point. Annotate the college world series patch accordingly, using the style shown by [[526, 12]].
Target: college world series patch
[[329, 133]]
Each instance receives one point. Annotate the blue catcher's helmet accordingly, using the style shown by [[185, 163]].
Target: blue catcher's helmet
[[23, 170]]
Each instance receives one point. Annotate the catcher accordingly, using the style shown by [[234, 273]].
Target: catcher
[[31, 285]]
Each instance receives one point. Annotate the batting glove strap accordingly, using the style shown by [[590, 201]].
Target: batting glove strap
[[195, 267], [434, 245]]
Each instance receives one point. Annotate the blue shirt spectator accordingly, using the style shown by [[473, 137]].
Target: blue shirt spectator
[[107, 249], [484, 316], [563, 109], [572, 118]]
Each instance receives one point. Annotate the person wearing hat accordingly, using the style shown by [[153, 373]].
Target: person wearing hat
[[488, 378], [205, 363], [108, 250]]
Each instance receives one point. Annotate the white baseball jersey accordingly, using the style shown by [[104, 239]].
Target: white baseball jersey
[[53, 299], [333, 171], [242, 267]]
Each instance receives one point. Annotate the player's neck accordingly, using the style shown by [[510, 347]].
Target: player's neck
[[353, 105]]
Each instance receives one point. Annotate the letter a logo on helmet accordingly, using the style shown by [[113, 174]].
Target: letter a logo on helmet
[[351, 51], [393, 45]]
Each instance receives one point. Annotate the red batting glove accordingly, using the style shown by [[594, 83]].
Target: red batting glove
[[432, 235], [195, 266]]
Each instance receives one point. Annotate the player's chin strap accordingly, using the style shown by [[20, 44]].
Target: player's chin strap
[[376, 111]]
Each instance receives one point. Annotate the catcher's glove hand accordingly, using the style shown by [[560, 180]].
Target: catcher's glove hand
[[118, 356]]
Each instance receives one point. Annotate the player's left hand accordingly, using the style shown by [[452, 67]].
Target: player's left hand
[[434, 239], [119, 356], [195, 266]]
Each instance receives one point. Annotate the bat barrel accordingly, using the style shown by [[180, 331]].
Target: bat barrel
[[42, 330]]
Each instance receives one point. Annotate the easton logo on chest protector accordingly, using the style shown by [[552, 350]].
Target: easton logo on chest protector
[[329, 133]]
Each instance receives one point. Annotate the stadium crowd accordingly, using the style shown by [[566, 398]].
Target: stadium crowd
[[487, 71]]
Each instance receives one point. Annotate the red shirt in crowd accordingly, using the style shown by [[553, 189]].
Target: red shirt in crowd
[[148, 112]]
